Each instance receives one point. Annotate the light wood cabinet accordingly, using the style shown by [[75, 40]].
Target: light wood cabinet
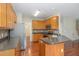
[[37, 37], [10, 52], [11, 17], [47, 22], [3, 15], [52, 50], [42, 49], [59, 49], [38, 24], [7, 16], [35, 50], [54, 22]]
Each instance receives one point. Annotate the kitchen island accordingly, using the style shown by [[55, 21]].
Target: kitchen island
[[56, 40], [10, 47], [53, 46]]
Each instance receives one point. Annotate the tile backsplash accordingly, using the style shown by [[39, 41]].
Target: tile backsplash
[[3, 33]]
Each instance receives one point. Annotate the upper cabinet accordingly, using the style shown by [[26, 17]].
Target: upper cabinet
[[3, 15], [7, 16], [11, 17], [54, 22], [38, 24]]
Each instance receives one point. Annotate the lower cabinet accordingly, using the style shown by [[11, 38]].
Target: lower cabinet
[[35, 49], [52, 49], [37, 37], [10, 52]]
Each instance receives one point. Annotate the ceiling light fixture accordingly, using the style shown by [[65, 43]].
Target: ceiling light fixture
[[53, 8], [37, 12]]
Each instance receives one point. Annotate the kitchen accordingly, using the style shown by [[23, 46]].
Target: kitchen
[[39, 29]]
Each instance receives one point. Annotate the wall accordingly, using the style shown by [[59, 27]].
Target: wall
[[68, 27]]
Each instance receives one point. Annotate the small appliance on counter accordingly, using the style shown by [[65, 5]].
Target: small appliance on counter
[[48, 27]]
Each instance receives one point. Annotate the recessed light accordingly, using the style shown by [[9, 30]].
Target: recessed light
[[37, 12]]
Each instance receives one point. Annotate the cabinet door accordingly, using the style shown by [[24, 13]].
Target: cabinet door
[[54, 22], [2, 15], [54, 49], [10, 52], [41, 24], [37, 37], [47, 22], [35, 49], [38, 24], [34, 24], [50, 50], [42, 49], [11, 18], [59, 49]]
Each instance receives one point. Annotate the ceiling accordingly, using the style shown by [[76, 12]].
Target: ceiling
[[47, 9]]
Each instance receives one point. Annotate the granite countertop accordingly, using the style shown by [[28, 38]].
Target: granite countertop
[[57, 40], [9, 44]]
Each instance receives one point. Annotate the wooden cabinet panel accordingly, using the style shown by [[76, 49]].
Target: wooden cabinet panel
[[35, 47], [49, 50], [59, 49], [52, 50], [37, 37], [34, 50], [38, 24], [47, 22], [11, 17], [53, 21], [10, 52], [42, 49], [2, 15], [7, 16]]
